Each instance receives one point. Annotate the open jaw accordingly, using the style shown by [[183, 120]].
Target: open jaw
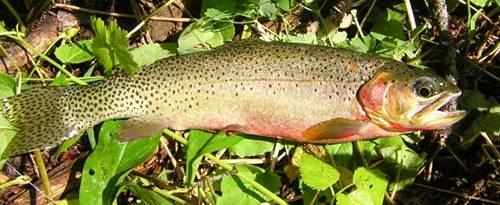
[[433, 115]]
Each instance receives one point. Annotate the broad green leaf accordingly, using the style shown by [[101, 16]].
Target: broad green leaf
[[309, 194], [227, 7], [480, 3], [110, 162], [270, 180], [110, 46], [354, 198], [203, 34], [7, 85], [149, 53], [364, 44], [488, 123], [148, 197], [286, 5], [474, 100], [400, 163], [396, 12], [60, 81], [200, 143], [316, 173], [75, 53], [230, 197], [268, 9], [7, 131], [371, 182], [307, 38], [216, 14], [252, 146], [342, 153]]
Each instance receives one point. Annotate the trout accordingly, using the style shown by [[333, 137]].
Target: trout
[[295, 92]]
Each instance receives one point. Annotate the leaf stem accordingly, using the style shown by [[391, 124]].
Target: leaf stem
[[359, 147], [43, 174], [20, 180], [170, 196], [43, 56]]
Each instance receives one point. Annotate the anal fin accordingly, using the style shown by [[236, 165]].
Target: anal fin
[[344, 130], [136, 128]]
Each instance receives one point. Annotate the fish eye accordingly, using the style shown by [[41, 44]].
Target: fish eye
[[426, 87]]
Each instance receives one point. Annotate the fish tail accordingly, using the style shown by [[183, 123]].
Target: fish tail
[[43, 119]]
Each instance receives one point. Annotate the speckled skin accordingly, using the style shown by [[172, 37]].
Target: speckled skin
[[270, 89]]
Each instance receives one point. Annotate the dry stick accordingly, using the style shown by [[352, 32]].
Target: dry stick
[[149, 16], [465, 196], [92, 11], [411, 17]]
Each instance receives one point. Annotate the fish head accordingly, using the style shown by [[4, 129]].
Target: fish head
[[401, 99]]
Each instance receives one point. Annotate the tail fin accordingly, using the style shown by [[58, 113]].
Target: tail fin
[[43, 118]]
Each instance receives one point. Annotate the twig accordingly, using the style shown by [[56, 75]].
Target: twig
[[411, 17], [465, 196], [367, 13], [149, 16], [457, 158], [92, 11]]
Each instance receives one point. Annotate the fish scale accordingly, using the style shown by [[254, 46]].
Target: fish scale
[[270, 89]]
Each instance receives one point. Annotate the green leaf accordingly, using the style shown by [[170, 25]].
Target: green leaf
[[480, 3], [364, 44], [216, 14], [7, 131], [316, 173], [228, 7], [307, 38], [488, 123], [252, 146], [149, 197], [400, 162], [7, 85], [110, 162], [110, 46], [75, 53], [371, 182], [200, 143], [396, 12], [149, 53], [286, 5], [474, 100], [230, 197], [354, 198], [270, 180], [204, 34], [309, 194], [342, 153], [268, 9]]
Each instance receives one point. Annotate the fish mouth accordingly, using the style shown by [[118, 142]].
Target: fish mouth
[[435, 114]]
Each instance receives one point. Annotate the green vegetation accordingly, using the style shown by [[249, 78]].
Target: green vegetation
[[205, 169]]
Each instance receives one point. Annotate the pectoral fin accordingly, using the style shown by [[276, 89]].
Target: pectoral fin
[[344, 130], [136, 128]]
